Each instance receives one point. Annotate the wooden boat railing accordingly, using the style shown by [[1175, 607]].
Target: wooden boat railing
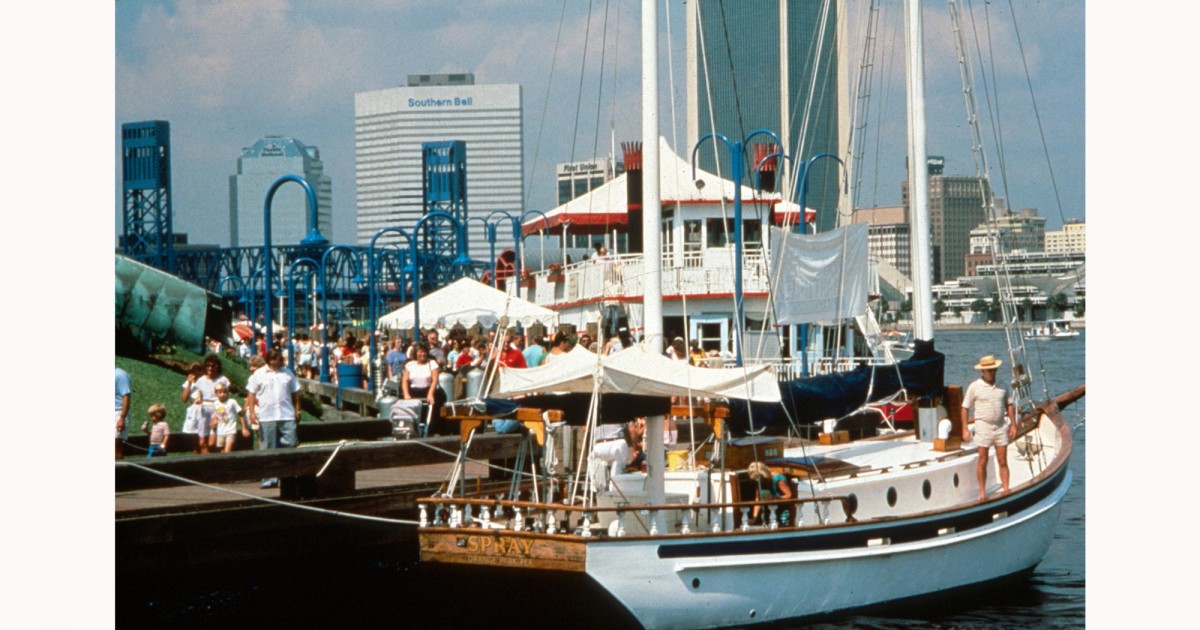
[[542, 518]]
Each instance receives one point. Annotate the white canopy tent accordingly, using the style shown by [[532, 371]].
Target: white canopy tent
[[637, 370], [467, 302]]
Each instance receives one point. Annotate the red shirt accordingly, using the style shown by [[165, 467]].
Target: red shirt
[[511, 357]]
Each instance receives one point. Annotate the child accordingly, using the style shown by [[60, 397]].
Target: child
[[227, 416], [160, 431], [194, 421]]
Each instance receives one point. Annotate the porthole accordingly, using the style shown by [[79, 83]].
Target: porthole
[[955, 480], [852, 503], [927, 489], [891, 497], [695, 582]]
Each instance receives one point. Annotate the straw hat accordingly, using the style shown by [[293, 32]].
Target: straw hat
[[758, 470], [988, 362]]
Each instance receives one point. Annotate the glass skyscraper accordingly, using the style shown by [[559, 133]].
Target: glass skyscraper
[[737, 67], [257, 169]]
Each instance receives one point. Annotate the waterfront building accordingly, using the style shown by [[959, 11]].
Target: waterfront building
[[390, 126], [258, 168], [1071, 238], [1020, 232], [734, 61]]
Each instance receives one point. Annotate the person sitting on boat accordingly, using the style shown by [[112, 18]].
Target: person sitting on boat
[[617, 448], [993, 420], [770, 486]]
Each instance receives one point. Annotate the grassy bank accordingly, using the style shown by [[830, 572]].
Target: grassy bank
[[159, 378]]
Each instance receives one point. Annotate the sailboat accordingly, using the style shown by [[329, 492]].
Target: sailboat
[[865, 521]]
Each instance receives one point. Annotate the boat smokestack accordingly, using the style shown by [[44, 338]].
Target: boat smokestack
[[765, 175], [632, 152]]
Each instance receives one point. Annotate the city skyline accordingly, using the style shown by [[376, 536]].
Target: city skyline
[[225, 75]]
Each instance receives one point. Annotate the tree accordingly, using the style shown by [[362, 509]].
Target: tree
[[979, 305], [1027, 309], [1058, 302], [1080, 308], [906, 305], [939, 307]]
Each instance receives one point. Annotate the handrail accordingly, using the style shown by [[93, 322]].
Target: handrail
[[533, 505]]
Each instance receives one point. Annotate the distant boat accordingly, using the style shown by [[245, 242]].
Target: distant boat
[[1052, 329]]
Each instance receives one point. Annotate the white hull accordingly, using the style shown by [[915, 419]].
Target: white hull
[[743, 589]]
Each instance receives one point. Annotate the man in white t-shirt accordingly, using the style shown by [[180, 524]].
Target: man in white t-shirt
[[992, 415], [273, 402]]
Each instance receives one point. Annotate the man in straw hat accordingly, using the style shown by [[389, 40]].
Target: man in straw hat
[[992, 416]]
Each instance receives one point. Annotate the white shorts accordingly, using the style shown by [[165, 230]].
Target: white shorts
[[988, 434], [123, 433]]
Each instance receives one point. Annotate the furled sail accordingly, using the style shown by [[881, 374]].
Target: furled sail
[[819, 277]]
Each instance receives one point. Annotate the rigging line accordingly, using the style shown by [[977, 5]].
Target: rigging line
[[612, 119], [737, 101], [712, 125], [862, 98], [587, 32], [545, 104], [1037, 115], [814, 55], [288, 504], [600, 89], [885, 83], [991, 91]]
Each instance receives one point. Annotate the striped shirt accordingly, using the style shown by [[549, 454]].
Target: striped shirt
[[990, 402]]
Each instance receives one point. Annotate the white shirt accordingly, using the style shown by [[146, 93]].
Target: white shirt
[[990, 402], [273, 393]]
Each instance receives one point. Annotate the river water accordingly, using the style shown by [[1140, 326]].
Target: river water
[[394, 590]]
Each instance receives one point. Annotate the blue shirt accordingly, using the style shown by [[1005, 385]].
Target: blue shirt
[[396, 359], [123, 387], [533, 355]]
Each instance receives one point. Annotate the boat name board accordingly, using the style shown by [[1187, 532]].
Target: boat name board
[[493, 549]]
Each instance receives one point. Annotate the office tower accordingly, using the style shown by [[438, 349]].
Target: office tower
[[258, 168], [743, 71], [390, 126]]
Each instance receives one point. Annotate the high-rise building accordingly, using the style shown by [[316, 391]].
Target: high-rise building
[[257, 169], [1072, 238], [390, 126], [887, 235], [955, 208], [733, 62]]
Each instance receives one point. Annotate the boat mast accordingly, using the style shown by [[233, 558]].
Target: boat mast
[[918, 180], [652, 248], [651, 202]]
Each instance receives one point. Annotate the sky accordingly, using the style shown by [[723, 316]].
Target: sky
[[224, 74]]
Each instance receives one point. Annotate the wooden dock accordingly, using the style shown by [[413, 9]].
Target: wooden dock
[[167, 522]]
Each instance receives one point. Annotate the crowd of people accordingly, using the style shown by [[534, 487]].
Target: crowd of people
[[271, 409]]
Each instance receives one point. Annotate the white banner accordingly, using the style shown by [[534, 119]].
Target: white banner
[[820, 277]]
